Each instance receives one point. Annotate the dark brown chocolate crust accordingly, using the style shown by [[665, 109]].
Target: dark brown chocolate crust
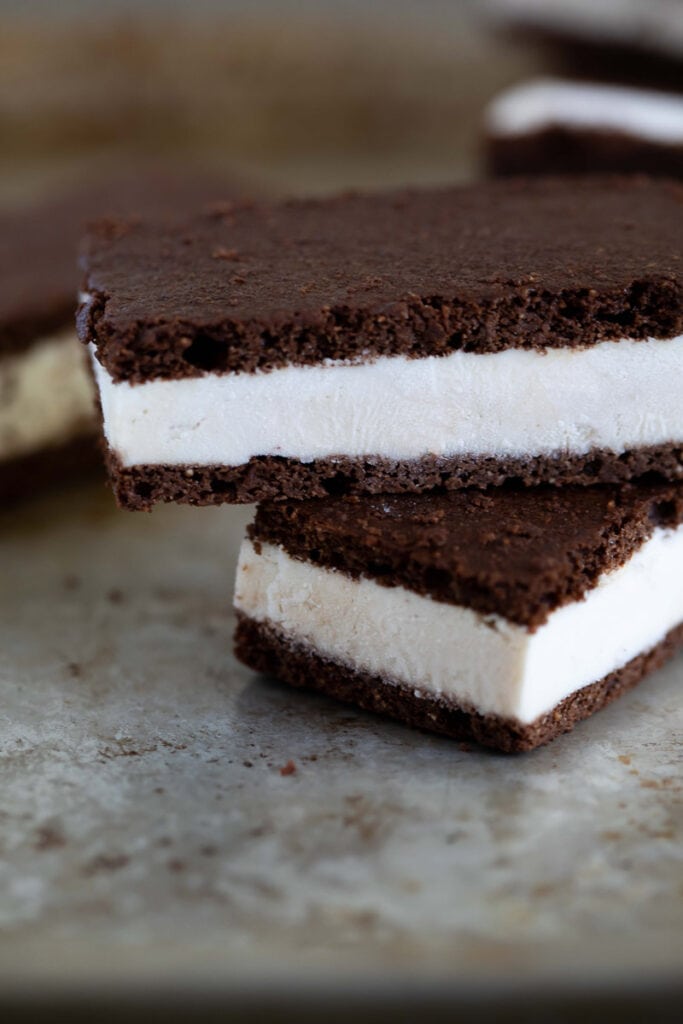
[[532, 263], [267, 478], [607, 59], [516, 553], [30, 475], [265, 649], [39, 274], [561, 150]]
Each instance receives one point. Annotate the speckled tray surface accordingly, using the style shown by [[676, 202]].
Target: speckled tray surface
[[149, 837]]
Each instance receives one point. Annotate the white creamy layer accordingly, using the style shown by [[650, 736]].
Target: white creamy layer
[[546, 103], [46, 395], [656, 24], [440, 649], [615, 395]]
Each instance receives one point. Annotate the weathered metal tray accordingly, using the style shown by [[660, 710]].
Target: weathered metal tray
[[149, 839]]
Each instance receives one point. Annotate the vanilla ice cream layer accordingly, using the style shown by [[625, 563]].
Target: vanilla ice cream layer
[[616, 395], [46, 395], [548, 103], [473, 660]]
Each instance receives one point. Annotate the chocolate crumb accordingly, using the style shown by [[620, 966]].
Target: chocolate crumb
[[221, 208], [49, 838], [221, 253], [106, 862]]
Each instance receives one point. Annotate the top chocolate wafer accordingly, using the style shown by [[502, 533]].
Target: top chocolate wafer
[[450, 337]]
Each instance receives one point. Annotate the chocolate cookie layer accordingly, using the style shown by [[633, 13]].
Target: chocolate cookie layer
[[533, 264], [569, 151], [139, 488], [266, 650], [608, 60], [633, 41]]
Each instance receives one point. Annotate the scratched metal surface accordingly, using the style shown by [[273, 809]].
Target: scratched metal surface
[[148, 836]]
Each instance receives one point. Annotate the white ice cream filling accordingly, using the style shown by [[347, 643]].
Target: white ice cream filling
[[451, 652], [616, 396], [46, 395], [549, 103]]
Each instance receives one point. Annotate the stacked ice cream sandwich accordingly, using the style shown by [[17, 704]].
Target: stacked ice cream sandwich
[[618, 106], [460, 413]]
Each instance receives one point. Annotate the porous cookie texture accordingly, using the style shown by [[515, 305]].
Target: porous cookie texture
[[534, 263], [264, 478]]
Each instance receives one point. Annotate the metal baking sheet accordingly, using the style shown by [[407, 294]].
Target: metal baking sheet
[[148, 836]]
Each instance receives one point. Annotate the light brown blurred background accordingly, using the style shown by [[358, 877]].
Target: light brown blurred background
[[299, 96]]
